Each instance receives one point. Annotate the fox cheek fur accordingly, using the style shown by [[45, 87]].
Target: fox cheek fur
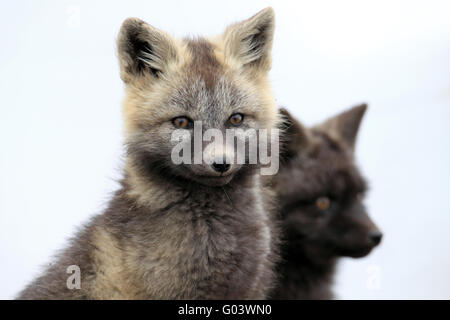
[[320, 192], [168, 232]]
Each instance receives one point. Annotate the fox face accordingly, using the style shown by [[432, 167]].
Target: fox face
[[171, 84], [321, 191]]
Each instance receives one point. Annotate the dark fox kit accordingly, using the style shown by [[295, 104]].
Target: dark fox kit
[[320, 193], [186, 231]]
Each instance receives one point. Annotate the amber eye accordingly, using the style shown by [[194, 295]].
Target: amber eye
[[236, 119], [323, 203], [182, 122]]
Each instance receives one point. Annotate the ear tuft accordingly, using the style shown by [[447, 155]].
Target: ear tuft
[[250, 41], [346, 124], [143, 50]]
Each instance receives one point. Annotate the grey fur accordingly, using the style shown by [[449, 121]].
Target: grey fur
[[169, 232]]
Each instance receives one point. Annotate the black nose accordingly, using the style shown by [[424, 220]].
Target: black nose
[[376, 237], [221, 167]]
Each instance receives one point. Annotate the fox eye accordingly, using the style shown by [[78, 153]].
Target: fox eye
[[323, 203], [236, 119], [182, 122]]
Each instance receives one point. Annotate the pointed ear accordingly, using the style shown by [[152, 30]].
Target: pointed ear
[[346, 124], [249, 42], [143, 50], [295, 137]]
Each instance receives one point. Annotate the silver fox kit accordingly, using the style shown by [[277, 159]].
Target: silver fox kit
[[196, 231]]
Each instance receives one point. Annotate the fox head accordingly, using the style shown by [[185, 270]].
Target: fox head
[[321, 190], [172, 84]]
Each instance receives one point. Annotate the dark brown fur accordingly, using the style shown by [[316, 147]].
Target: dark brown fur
[[319, 163], [204, 63]]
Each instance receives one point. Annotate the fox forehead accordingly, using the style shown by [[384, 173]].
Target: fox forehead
[[328, 171], [204, 84], [201, 83], [203, 63]]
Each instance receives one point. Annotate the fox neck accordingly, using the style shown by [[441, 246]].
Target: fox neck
[[311, 256], [307, 272], [156, 191]]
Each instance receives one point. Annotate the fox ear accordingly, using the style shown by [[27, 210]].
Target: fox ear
[[346, 124], [143, 50], [249, 42], [295, 137]]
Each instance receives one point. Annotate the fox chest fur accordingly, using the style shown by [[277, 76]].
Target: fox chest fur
[[206, 246], [203, 245]]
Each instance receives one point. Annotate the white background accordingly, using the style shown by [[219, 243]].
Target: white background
[[61, 127]]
